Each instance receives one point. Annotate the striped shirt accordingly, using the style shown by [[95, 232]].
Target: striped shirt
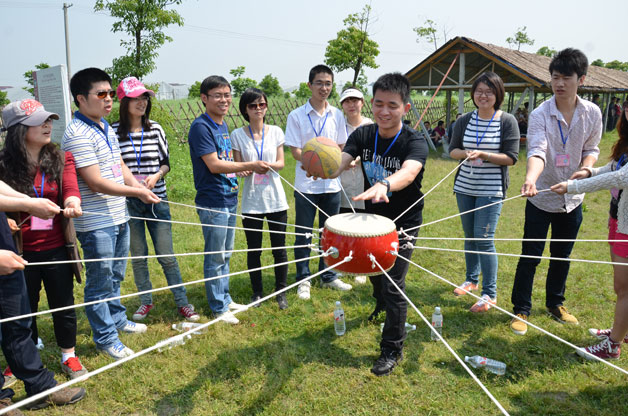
[[86, 141], [485, 179], [151, 150]]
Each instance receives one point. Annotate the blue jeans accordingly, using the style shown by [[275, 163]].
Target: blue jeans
[[161, 234], [218, 238], [305, 212], [102, 280], [480, 224]]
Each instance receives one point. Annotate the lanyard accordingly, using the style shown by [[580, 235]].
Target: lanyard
[[478, 140], [389, 146], [619, 162], [43, 176], [103, 131], [318, 133], [260, 152], [214, 123], [138, 158], [565, 138]]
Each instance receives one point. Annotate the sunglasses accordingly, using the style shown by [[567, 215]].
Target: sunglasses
[[255, 106], [103, 94]]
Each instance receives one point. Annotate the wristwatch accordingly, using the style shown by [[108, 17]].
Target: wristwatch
[[385, 182]]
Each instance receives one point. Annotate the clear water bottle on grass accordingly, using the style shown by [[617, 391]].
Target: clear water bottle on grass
[[339, 319], [437, 323], [172, 342], [494, 366], [186, 326]]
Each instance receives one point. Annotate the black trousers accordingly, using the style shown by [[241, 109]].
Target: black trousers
[[58, 281], [254, 240], [537, 222]]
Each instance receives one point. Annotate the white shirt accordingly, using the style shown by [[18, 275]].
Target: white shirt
[[299, 130], [352, 179]]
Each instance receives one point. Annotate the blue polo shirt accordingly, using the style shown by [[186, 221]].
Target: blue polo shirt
[[212, 190]]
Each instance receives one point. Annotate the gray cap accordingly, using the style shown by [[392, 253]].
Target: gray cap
[[27, 112]]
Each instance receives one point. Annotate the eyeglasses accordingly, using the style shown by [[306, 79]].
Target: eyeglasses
[[255, 106], [488, 93], [320, 84], [226, 96], [103, 94], [140, 98]]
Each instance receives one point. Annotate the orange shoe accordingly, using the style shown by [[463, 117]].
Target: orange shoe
[[484, 304], [468, 286]]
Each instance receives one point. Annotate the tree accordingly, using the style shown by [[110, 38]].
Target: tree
[[547, 51], [143, 21], [28, 76], [240, 84], [270, 85], [195, 90], [3, 99], [360, 84], [598, 62], [520, 38], [353, 48], [429, 33], [621, 66], [303, 92]]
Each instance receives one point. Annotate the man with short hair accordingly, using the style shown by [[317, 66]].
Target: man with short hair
[[217, 190], [104, 182], [563, 137], [315, 118]]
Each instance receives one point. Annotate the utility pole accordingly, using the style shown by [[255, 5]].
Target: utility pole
[[67, 38]]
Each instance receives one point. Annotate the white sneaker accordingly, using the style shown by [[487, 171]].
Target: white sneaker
[[133, 328], [360, 280], [117, 350], [338, 285], [303, 290], [236, 307], [228, 317]]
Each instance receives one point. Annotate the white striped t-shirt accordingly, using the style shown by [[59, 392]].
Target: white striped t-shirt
[[88, 146], [484, 180], [154, 150]]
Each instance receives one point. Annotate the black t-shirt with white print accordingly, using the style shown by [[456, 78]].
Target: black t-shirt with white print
[[408, 146]]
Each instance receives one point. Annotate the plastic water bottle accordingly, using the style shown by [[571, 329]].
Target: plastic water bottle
[[437, 323], [339, 319], [172, 342], [409, 327], [186, 326], [494, 366]]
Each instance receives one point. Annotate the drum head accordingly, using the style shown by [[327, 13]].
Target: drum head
[[360, 225]]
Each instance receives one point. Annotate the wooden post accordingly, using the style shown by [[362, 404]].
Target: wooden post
[[448, 110], [461, 76], [605, 113]]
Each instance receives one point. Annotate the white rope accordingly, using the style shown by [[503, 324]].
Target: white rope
[[299, 192], [440, 337], [158, 345], [94, 302], [558, 240], [427, 193], [346, 196], [556, 337]]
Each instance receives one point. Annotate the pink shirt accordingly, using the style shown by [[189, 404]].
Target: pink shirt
[[544, 141]]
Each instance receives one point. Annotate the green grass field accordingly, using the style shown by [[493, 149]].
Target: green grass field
[[292, 363]]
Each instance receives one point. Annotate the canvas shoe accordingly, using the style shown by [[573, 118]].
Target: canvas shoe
[[236, 307], [468, 286], [188, 313], [360, 280], [133, 328], [561, 315], [228, 317], [603, 333], [303, 290], [519, 327], [117, 350], [337, 285], [142, 312], [9, 378], [6, 402], [73, 367], [606, 350], [68, 395], [484, 304]]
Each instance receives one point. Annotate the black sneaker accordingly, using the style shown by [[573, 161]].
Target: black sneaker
[[282, 301], [256, 297], [386, 362], [68, 395], [374, 316]]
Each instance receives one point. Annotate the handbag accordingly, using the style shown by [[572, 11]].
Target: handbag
[[69, 235]]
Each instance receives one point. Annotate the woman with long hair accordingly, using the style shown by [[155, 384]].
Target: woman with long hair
[[612, 176], [144, 150], [488, 139], [262, 194], [31, 164]]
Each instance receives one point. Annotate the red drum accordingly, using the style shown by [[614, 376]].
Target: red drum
[[362, 234]]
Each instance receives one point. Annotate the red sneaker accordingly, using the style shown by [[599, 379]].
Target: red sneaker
[[188, 313], [603, 333], [142, 312], [9, 378], [73, 367], [606, 350]]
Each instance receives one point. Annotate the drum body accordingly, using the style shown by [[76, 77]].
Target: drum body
[[362, 234]]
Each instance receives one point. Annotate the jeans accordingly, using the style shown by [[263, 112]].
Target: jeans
[[537, 222], [161, 234], [480, 224], [102, 281], [305, 212], [218, 238], [254, 240]]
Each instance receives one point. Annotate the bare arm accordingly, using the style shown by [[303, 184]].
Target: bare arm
[[296, 152], [217, 166], [398, 180], [534, 169], [95, 182]]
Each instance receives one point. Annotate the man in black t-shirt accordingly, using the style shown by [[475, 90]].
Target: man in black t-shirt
[[393, 156]]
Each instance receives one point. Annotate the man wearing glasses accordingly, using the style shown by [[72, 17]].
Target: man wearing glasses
[[217, 190], [315, 118], [104, 182]]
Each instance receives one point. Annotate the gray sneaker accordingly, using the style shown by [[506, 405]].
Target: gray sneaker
[[117, 350], [73, 367], [69, 395]]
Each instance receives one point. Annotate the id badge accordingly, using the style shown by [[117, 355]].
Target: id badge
[[117, 170], [477, 162], [261, 179], [562, 160], [230, 175], [39, 224], [140, 178]]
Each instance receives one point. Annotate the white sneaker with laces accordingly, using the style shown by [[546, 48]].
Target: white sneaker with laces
[[237, 307], [228, 317], [360, 280], [133, 328], [303, 290], [338, 285], [117, 351]]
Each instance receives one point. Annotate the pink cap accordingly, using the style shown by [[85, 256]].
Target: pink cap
[[132, 87]]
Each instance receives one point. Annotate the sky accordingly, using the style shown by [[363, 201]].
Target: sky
[[287, 37]]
